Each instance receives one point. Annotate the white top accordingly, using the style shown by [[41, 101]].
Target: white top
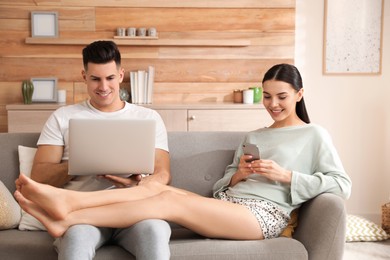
[[56, 130]]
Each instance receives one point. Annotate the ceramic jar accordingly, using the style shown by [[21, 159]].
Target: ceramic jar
[[257, 94]]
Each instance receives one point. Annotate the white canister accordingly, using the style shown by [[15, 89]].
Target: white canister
[[121, 31], [247, 96], [61, 96], [131, 31], [141, 32], [152, 32]]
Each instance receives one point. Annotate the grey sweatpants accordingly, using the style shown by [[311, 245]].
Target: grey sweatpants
[[146, 240]]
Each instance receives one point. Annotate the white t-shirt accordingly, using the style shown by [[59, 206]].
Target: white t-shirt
[[56, 130]]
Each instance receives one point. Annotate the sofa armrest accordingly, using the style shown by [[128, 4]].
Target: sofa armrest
[[322, 227]]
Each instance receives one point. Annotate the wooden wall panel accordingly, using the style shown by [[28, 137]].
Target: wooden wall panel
[[186, 3], [183, 73], [194, 19]]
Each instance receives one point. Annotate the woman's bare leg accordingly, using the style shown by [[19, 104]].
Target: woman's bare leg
[[55, 226], [206, 216], [59, 202]]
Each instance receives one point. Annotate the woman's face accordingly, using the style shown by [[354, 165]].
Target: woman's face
[[280, 99]]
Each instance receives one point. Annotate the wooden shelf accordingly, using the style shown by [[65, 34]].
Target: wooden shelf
[[205, 105], [136, 37], [145, 42], [171, 106]]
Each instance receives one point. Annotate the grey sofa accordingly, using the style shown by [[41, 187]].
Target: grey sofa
[[197, 161]]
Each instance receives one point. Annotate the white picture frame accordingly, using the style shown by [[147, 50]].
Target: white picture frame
[[44, 24], [353, 37], [45, 90]]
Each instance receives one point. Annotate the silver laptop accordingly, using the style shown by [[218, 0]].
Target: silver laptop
[[111, 146]]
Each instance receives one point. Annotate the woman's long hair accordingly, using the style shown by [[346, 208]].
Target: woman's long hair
[[289, 74]]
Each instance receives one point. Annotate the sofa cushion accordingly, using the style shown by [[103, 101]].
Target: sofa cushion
[[9, 159], [26, 158], [20, 245], [214, 249], [10, 211], [200, 161]]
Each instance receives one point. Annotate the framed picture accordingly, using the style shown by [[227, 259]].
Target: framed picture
[[45, 90], [353, 36], [44, 24]]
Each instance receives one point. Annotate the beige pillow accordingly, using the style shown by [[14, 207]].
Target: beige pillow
[[361, 229], [10, 211], [26, 158]]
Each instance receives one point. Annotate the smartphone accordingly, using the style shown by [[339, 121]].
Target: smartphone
[[251, 149]]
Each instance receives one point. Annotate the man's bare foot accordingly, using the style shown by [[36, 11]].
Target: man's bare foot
[[50, 199], [56, 228]]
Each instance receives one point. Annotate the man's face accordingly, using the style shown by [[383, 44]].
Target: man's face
[[103, 85]]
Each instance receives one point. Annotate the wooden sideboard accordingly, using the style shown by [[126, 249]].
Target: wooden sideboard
[[28, 118], [177, 117]]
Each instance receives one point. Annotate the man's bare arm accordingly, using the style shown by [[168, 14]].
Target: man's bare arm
[[162, 171], [48, 166]]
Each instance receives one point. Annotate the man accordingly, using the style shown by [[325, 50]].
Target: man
[[102, 74]]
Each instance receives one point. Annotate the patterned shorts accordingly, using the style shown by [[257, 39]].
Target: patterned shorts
[[271, 218]]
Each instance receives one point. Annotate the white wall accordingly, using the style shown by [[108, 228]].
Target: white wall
[[354, 109]]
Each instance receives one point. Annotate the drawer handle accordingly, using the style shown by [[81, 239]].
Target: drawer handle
[[192, 117]]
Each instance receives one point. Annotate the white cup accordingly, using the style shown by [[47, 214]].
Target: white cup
[[131, 31], [61, 96], [141, 31], [247, 96], [152, 32], [121, 31]]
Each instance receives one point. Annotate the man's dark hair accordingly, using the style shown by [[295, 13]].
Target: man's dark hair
[[101, 52]]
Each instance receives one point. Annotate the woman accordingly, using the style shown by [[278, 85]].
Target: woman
[[252, 201]]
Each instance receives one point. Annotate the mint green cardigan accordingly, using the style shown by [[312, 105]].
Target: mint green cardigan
[[307, 151]]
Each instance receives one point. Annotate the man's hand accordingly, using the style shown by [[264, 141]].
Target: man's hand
[[161, 173], [122, 182]]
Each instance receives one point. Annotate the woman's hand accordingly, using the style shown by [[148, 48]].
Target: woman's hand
[[271, 170], [244, 169]]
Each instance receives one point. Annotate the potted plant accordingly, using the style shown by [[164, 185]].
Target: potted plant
[[27, 91]]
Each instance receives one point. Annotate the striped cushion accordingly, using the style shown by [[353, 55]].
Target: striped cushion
[[360, 229]]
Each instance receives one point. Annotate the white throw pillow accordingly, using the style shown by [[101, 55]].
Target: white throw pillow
[[10, 211], [26, 158], [361, 229]]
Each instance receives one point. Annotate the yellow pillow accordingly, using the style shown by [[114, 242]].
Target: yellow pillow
[[292, 224]]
